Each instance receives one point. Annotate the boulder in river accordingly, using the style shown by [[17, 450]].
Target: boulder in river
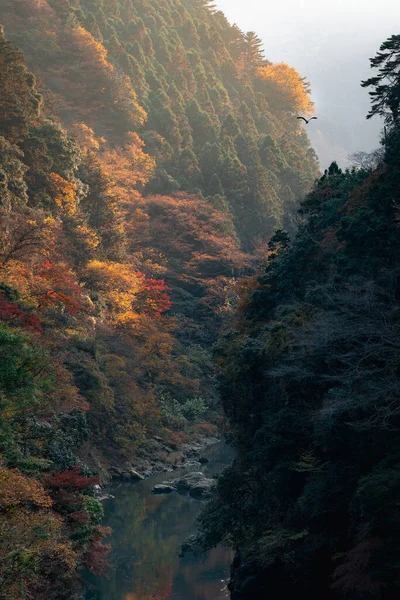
[[203, 460], [163, 488], [195, 483]]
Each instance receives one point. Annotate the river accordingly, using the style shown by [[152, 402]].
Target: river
[[147, 532]]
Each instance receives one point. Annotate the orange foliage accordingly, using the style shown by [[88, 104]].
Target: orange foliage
[[16, 489], [86, 137], [287, 87], [182, 227], [128, 166], [127, 293]]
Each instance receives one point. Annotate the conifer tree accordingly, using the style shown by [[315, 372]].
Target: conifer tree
[[19, 101]]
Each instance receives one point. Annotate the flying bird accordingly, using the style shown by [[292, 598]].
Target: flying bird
[[305, 120]]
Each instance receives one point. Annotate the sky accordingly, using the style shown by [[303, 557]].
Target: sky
[[330, 44]]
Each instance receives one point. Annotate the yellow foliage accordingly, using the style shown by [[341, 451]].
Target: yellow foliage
[[87, 236], [64, 194], [287, 87], [118, 285], [128, 167], [17, 275]]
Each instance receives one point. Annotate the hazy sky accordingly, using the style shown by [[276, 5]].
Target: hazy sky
[[329, 44]]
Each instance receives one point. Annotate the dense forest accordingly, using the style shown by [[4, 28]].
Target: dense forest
[[148, 151], [309, 375]]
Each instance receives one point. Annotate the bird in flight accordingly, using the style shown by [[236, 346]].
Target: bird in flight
[[305, 120]]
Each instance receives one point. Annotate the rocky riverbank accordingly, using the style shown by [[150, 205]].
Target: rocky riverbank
[[160, 456]]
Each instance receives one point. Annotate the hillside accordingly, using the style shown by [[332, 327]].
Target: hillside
[[147, 151], [219, 116], [309, 378]]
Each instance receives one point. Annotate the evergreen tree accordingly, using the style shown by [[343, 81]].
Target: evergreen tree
[[386, 93], [19, 101]]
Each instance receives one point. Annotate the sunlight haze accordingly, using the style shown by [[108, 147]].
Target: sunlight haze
[[330, 45]]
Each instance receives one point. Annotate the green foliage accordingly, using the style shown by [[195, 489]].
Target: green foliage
[[13, 187], [94, 356], [309, 381], [19, 103], [196, 77]]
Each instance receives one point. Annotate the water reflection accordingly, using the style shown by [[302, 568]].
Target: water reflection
[[147, 532]]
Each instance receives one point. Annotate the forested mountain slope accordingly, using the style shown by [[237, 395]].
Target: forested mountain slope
[[146, 155], [309, 377], [219, 116]]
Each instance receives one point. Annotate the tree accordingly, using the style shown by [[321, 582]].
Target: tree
[[19, 102], [288, 90], [13, 188], [252, 54], [385, 96]]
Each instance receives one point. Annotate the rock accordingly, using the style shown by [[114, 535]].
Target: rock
[[203, 460], [135, 476], [130, 475], [163, 488], [157, 438], [195, 483], [105, 497], [187, 481]]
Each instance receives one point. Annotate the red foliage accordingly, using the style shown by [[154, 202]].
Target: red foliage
[[13, 315], [65, 487], [153, 299], [95, 557], [64, 289], [80, 517], [72, 480], [178, 438]]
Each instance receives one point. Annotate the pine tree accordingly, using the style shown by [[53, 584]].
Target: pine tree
[[19, 101], [386, 93]]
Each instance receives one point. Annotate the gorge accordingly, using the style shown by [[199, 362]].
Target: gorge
[[174, 267]]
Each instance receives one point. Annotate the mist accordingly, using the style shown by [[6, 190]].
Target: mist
[[329, 44]]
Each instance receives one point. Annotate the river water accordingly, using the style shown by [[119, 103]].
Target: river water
[[147, 532]]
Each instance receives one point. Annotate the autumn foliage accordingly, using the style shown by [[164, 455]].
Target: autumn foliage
[[286, 87], [134, 189]]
